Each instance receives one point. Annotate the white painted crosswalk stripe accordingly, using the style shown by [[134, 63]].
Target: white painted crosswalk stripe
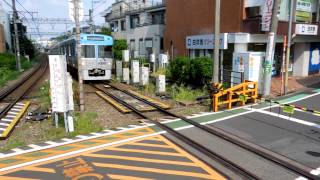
[[17, 150], [34, 146], [13, 113], [7, 120], [4, 124], [2, 129], [10, 116]]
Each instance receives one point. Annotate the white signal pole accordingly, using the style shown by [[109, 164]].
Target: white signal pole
[[80, 73], [215, 62]]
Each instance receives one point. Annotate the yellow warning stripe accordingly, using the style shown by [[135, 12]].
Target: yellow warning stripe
[[194, 159], [154, 170], [113, 102], [165, 106], [149, 145], [142, 159], [121, 177], [38, 169], [145, 151], [15, 178], [15, 120]]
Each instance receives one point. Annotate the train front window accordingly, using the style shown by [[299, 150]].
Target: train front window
[[88, 51], [105, 51]]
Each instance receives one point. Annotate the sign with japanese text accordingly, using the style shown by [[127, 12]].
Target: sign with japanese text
[[306, 29], [267, 15], [206, 41], [58, 83], [304, 10]]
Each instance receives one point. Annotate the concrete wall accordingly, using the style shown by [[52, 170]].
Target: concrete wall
[[193, 17], [301, 59]]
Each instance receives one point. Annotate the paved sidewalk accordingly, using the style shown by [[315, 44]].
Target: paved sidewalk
[[295, 83]]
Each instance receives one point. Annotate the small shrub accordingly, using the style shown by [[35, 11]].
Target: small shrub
[[194, 72], [200, 71], [179, 70], [118, 46]]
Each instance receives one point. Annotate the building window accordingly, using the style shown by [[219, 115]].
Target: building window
[[134, 21], [149, 43], [253, 12], [123, 25], [114, 26], [141, 47], [157, 18]]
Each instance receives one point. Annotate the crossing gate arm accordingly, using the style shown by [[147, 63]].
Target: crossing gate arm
[[227, 97]]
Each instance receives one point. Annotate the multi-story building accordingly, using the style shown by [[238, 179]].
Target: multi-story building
[[141, 23], [244, 21], [5, 22]]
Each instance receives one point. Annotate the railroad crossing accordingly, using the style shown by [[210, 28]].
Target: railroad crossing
[[147, 152]]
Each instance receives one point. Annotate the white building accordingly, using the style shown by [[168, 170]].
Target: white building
[[141, 23]]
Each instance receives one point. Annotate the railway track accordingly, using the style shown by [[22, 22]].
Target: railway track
[[279, 160], [14, 94]]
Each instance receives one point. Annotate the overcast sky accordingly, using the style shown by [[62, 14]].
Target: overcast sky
[[58, 9]]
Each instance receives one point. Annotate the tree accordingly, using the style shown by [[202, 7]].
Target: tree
[[118, 47], [106, 31]]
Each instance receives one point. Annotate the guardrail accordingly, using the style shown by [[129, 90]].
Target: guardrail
[[239, 93]]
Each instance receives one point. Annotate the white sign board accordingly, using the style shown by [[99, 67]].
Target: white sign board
[[206, 41], [58, 83], [72, 10], [304, 6], [267, 15], [306, 29], [253, 3]]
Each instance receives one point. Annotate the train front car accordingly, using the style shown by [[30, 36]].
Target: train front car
[[96, 54]]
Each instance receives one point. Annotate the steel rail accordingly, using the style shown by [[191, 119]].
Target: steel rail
[[7, 108], [225, 162], [279, 159]]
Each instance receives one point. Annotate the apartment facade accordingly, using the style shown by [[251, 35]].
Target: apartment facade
[[141, 23], [5, 29], [190, 23]]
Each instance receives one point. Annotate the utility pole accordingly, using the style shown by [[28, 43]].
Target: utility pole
[[16, 34], [80, 73], [268, 64], [91, 21], [289, 47], [215, 78]]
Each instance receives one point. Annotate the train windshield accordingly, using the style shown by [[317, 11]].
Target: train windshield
[[88, 51], [104, 51]]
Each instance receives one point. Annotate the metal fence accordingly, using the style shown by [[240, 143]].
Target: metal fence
[[231, 78]]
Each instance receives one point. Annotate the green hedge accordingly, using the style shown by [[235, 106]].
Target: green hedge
[[196, 72]]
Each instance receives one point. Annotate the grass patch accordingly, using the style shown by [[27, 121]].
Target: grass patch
[[148, 89], [11, 144], [8, 70], [185, 94], [44, 96], [37, 132]]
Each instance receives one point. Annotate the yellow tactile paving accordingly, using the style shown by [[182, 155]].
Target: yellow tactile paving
[[112, 161]]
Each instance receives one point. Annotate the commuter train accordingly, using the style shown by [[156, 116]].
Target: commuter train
[[96, 55]]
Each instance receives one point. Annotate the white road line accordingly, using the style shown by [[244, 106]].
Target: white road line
[[34, 146], [51, 143], [96, 134], [82, 137], [122, 128], [13, 113], [307, 123], [66, 139], [20, 104], [17, 150], [2, 129], [301, 178], [316, 172]]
